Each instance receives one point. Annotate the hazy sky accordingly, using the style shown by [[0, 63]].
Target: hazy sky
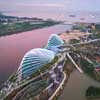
[[48, 7], [91, 5]]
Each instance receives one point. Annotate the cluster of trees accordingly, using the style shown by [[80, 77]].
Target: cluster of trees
[[80, 27], [11, 28], [32, 90], [92, 92], [73, 41], [87, 67], [94, 36]]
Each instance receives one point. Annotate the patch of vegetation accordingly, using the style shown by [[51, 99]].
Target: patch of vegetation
[[94, 36], [73, 41], [79, 27], [95, 31], [93, 92], [87, 67], [13, 78], [97, 26], [35, 88], [12, 28]]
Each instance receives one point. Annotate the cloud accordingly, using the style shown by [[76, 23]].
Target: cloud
[[42, 5]]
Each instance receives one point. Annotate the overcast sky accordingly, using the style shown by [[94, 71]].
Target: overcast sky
[[91, 5], [45, 7]]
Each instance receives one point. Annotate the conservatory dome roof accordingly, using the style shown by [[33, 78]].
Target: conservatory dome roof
[[54, 40], [33, 60]]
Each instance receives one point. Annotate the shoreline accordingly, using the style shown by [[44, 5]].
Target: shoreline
[[32, 28]]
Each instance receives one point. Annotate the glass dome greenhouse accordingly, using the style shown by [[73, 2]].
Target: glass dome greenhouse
[[54, 41], [33, 60]]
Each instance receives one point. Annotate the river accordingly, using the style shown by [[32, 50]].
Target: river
[[13, 47]]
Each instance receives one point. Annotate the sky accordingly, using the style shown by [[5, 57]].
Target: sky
[[52, 8]]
